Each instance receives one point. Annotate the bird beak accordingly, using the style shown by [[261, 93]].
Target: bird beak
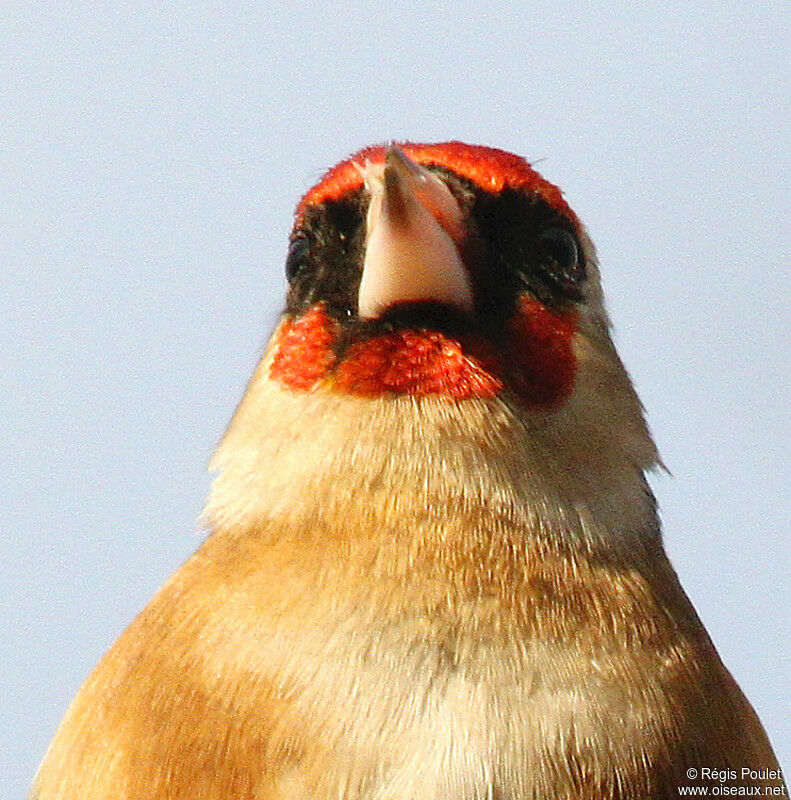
[[413, 231]]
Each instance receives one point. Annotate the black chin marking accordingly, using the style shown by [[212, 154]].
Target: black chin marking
[[421, 315]]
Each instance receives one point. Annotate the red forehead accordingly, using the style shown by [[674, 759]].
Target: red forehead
[[488, 168]]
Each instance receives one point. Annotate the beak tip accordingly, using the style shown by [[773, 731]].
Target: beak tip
[[395, 155], [397, 193]]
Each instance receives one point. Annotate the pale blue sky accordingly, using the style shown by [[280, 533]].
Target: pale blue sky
[[150, 158]]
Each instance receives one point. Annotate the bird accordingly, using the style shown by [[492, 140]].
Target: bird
[[434, 567]]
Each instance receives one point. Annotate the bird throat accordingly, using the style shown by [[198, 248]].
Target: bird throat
[[535, 359], [308, 455]]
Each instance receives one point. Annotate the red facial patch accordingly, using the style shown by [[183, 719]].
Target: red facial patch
[[417, 363], [540, 348], [539, 362], [304, 353], [488, 168]]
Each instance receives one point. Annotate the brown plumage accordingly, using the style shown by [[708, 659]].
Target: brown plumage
[[416, 585]]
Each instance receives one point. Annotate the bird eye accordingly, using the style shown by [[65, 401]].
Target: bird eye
[[298, 257], [560, 260]]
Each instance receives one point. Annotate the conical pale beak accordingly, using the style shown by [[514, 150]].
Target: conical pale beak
[[414, 227]]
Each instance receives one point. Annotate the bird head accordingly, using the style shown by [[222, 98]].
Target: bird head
[[440, 293], [436, 270]]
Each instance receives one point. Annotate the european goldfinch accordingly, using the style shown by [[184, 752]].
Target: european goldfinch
[[434, 568]]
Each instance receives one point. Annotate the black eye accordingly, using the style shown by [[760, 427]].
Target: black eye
[[298, 258], [560, 260]]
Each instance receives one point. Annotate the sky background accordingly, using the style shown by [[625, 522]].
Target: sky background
[[150, 158]]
